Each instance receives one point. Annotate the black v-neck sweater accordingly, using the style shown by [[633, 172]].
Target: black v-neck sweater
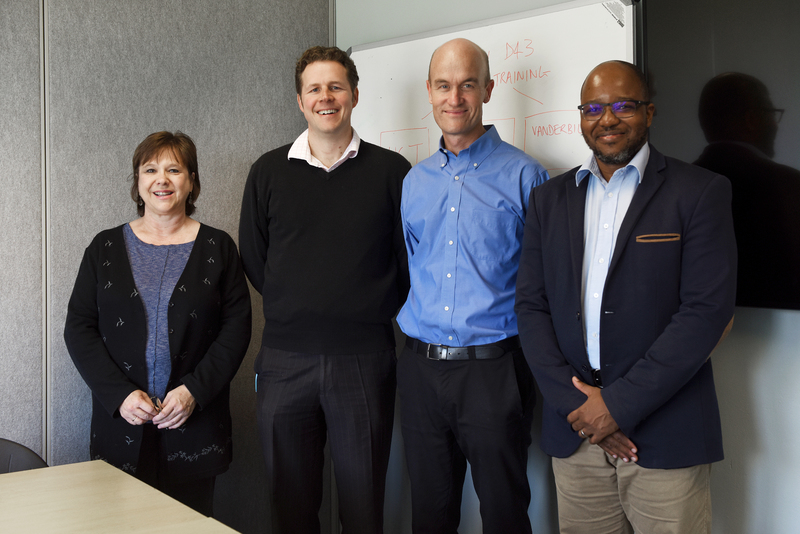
[[326, 250]]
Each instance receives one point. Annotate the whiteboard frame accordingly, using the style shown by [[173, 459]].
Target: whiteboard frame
[[638, 27]]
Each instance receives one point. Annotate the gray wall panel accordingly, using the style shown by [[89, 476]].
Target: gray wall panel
[[21, 326], [220, 71]]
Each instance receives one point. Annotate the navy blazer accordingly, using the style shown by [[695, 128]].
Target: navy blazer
[[668, 297]]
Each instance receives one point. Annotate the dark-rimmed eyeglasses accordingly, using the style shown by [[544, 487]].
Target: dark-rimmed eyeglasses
[[624, 109]]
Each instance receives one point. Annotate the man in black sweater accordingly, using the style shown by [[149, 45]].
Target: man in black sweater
[[321, 240]]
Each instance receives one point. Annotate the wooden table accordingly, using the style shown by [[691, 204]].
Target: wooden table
[[93, 497]]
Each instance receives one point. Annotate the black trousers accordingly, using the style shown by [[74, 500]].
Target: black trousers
[[476, 411], [304, 398]]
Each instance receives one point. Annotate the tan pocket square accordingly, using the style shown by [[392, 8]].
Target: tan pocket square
[[657, 238]]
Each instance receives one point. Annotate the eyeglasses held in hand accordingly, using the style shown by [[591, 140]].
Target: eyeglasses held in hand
[[624, 109]]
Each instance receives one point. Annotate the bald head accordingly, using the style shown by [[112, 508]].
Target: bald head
[[458, 87], [461, 50], [615, 67]]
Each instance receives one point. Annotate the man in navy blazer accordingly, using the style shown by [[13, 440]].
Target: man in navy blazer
[[626, 285]]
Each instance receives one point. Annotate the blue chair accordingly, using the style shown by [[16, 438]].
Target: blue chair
[[16, 457]]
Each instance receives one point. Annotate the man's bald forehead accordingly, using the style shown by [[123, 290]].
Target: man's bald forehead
[[633, 69], [460, 43]]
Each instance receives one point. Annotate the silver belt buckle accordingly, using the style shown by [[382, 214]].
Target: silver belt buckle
[[440, 350]]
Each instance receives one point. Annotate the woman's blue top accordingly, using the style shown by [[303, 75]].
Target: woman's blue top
[[156, 270]]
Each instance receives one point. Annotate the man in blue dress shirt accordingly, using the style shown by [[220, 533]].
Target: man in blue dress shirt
[[466, 391]]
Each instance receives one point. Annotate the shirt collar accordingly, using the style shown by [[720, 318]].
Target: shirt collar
[[478, 151], [300, 149], [638, 163]]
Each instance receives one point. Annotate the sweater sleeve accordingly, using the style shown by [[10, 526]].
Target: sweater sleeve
[[221, 361], [254, 229], [85, 343], [400, 251]]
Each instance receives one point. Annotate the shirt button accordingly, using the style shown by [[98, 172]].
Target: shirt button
[[456, 177], [610, 195], [605, 226], [596, 295], [450, 243], [447, 308], [594, 335], [602, 260], [452, 209], [474, 164], [450, 338], [448, 275]]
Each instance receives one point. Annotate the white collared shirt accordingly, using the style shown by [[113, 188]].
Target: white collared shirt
[[606, 206], [300, 149]]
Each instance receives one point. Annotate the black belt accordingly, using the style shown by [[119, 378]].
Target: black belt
[[490, 351]]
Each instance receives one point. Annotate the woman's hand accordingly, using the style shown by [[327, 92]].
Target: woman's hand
[[137, 408], [178, 405]]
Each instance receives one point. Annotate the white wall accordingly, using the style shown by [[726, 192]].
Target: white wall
[[755, 488]]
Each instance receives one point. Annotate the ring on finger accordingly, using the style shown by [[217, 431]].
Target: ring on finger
[[583, 434]]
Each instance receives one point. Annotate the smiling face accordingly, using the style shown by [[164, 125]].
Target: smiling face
[[615, 141], [326, 99], [164, 185], [458, 86]]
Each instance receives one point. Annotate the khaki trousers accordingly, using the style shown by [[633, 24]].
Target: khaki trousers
[[600, 495]]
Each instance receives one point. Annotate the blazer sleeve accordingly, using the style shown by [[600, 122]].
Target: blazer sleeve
[[221, 361], [707, 295], [537, 333], [85, 344]]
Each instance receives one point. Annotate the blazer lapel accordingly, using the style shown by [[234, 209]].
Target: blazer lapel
[[576, 208], [644, 193]]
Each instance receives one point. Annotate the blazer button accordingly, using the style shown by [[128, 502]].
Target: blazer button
[[584, 369], [171, 330], [171, 304]]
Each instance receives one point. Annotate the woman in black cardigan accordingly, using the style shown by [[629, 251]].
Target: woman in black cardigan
[[158, 324]]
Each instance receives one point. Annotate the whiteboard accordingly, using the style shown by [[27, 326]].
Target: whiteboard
[[538, 61]]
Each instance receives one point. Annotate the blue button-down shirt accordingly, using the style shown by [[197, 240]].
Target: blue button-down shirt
[[606, 206], [463, 219]]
